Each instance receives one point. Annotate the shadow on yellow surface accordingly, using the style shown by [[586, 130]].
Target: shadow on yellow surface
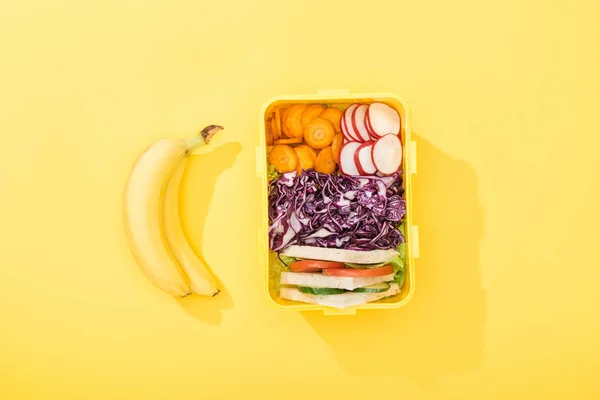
[[207, 309], [205, 169], [441, 330]]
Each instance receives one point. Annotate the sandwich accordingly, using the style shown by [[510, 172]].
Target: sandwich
[[340, 278]]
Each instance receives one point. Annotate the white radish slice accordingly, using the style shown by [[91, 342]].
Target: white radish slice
[[383, 119], [358, 122], [344, 128], [387, 154], [363, 158], [347, 123], [347, 164], [359, 167], [369, 127]]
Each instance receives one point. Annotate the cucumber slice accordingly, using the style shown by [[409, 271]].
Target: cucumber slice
[[376, 288], [320, 291]]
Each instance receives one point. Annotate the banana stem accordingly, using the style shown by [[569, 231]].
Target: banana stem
[[203, 137]]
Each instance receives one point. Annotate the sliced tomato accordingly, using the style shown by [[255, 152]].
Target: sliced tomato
[[360, 272], [314, 265]]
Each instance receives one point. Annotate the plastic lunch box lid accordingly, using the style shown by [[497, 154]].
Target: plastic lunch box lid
[[410, 168]]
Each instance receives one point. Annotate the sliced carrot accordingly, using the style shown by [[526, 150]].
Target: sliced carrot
[[275, 127], [311, 113], [333, 115], [319, 133], [289, 141], [336, 146], [325, 163], [292, 123], [280, 117], [283, 158], [305, 149], [306, 157], [269, 132]]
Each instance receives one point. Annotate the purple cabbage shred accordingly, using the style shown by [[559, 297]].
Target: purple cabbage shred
[[348, 212]]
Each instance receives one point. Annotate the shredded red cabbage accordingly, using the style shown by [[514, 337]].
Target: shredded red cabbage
[[355, 213]]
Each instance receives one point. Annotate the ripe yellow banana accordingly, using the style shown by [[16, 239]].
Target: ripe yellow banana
[[157, 242], [201, 280]]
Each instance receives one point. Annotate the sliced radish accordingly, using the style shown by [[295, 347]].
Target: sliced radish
[[351, 134], [383, 119], [343, 125], [363, 157], [347, 164], [344, 142], [359, 167], [344, 128], [387, 154], [358, 122], [369, 127]]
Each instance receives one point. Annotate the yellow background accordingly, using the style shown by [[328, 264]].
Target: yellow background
[[504, 100]]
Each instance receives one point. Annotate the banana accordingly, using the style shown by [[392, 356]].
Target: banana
[[159, 251], [201, 280]]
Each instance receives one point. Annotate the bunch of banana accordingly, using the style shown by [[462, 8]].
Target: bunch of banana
[[152, 222]]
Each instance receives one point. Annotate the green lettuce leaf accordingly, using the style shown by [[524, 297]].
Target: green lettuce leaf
[[402, 250], [277, 266], [399, 264], [399, 271], [285, 260], [272, 173], [402, 229]]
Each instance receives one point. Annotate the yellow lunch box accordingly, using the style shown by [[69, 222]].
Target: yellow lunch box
[[267, 258]]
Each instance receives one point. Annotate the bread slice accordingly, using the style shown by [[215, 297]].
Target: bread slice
[[343, 300], [334, 282], [341, 255]]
